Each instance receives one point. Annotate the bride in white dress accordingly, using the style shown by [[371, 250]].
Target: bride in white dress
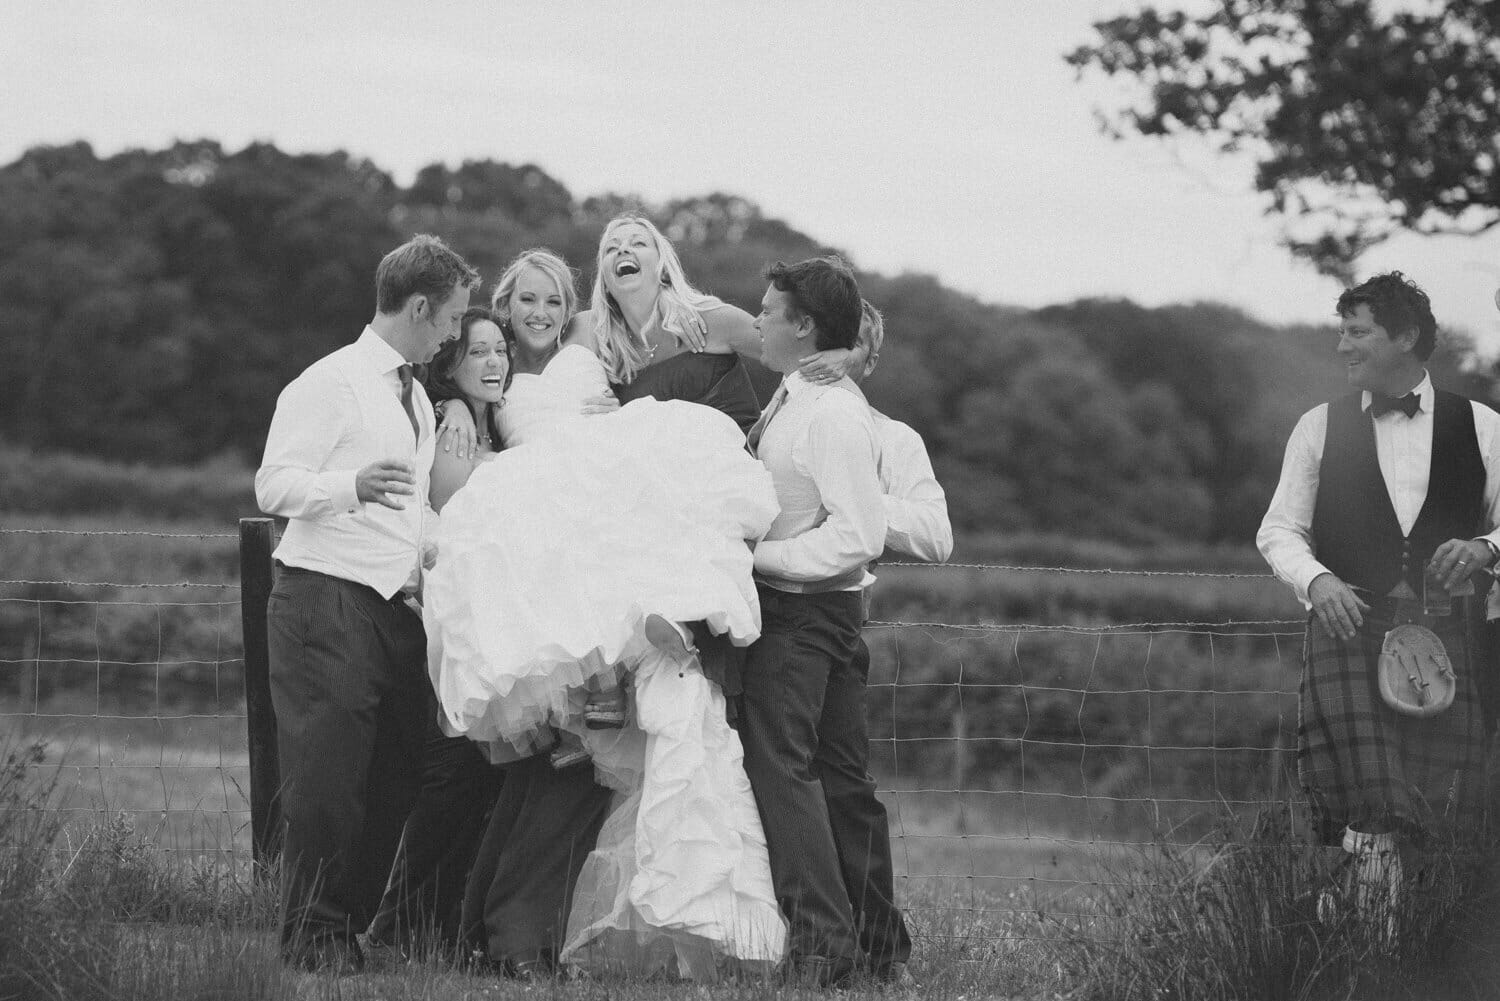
[[552, 558]]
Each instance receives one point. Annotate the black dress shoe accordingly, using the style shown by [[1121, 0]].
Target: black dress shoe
[[820, 971], [533, 968], [337, 956], [894, 975]]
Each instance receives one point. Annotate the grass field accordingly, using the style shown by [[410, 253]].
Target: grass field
[[1016, 757], [1041, 737]]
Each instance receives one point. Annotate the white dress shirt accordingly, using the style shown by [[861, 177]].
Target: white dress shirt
[[821, 448], [1403, 446], [916, 510], [341, 414]]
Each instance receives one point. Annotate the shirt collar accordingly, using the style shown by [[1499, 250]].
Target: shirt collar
[[796, 385], [1423, 389], [382, 357]]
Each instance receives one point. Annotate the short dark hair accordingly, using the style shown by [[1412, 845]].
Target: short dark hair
[[824, 289], [1397, 304], [438, 377], [423, 265]]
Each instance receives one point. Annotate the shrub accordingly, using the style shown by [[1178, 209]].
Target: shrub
[[1266, 917]]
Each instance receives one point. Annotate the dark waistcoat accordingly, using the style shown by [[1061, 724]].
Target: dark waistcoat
[[1355, 531]]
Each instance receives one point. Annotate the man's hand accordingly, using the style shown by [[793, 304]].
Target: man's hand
[[1456, 559], [457, 432], [601, 404], [1337, 606], [385, 481]]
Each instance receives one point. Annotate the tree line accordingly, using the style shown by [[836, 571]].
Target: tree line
[[156, 301]]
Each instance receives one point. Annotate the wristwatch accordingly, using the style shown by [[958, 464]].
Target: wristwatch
[[1494, 551]]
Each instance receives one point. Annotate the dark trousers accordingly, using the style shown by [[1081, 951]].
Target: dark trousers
[[861, 829], [802, 726], [350, 692], [544, 825], [423, 899]]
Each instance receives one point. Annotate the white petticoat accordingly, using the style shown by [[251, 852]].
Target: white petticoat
[[679, 880], [554, 553]]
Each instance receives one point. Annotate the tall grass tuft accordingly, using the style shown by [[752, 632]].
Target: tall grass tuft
[[109, 918], [1237, 917], [108, 915]]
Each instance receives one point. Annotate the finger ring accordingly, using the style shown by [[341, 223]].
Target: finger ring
[[1463, 563]]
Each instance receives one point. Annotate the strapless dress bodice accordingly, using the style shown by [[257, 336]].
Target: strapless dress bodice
[[536, 405]]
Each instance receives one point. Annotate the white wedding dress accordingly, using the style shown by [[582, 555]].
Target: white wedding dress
[[550, 559]]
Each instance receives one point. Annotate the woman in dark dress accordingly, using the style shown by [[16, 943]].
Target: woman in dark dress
[[657, 337]]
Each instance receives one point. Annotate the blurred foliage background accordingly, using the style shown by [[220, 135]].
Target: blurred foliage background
[[155, 302]]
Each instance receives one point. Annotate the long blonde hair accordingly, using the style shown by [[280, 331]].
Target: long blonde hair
[[678, 304], [547, 263]]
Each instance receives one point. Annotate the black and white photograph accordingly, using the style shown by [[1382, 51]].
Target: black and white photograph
[[746, 501]]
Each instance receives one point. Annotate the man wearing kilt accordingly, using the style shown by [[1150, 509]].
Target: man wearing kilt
[[1389, 490]]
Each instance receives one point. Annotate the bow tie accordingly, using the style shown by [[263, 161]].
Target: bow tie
[[1382, 404]]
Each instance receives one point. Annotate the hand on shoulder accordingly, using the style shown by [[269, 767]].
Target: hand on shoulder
[[731, 330]]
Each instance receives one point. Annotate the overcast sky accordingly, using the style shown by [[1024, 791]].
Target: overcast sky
[[947, 138]]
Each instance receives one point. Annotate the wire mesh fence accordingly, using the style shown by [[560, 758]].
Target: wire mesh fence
[[1033, 729], [132, 673]]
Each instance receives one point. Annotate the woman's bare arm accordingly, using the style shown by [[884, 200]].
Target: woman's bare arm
[[732, 329]]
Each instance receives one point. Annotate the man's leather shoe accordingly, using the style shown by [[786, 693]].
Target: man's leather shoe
[[894, 975], [337, 956], [820, 971], [532, 969]]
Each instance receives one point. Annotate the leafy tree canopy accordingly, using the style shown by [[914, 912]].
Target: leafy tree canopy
[[155, 302], [1364, 118]]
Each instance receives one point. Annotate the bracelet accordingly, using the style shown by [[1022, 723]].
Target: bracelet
[[437, 410]]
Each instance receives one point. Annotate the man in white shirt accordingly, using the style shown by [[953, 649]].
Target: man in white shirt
[[916, 523], [802, 704], [1387, 497], [916, 509], [346, 462]]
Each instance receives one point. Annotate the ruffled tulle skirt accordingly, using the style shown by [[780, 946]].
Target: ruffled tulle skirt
[[555, 552], [679, 881]]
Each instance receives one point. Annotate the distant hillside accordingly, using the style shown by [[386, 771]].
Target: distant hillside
[[157, 301]]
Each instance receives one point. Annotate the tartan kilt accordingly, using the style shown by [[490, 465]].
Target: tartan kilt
[[1360, 761]]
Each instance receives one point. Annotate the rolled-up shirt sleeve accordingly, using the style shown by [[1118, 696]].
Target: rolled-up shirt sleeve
[[1285, 536], [291, 481], [1487, 429], [839, 456], [916, 509]]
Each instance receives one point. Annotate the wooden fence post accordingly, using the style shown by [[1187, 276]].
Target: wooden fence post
[[257, 574]]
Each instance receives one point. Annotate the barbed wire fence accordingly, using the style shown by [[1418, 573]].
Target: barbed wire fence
[[1025, 758], [135, 686]]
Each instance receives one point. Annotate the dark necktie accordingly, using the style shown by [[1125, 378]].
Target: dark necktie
[[752, 440], [404, 374], [1382, 404]]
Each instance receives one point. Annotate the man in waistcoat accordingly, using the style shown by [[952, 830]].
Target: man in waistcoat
[[806, 752], [916, 524], [1390, 490], [346, 463]]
